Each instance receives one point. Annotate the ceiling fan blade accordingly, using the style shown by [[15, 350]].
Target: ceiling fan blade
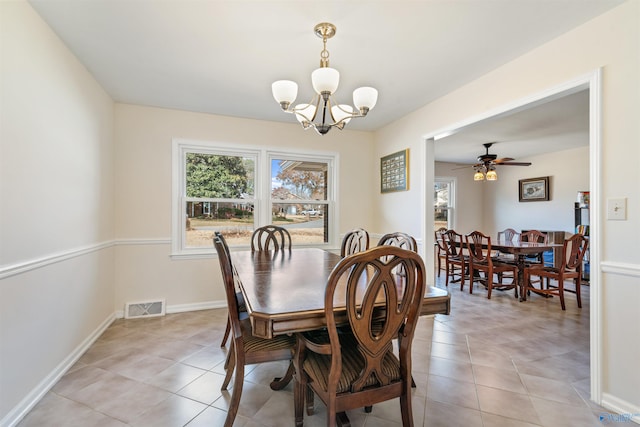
[[502, 160], [463, 167], [515, 164]]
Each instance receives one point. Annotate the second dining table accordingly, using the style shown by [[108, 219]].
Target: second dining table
[[284, 291]]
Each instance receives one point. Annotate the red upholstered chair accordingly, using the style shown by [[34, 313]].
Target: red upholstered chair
[[479, 247], [245, 349], [573, 250]]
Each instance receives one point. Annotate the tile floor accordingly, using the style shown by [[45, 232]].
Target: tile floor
[[493, 362]]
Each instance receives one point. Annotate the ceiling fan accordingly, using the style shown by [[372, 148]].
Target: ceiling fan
[[486, 160], [487, 163]]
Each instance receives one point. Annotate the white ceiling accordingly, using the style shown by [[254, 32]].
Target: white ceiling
[[221, 57]]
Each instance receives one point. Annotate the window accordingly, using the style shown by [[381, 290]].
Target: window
[[236, 191], [443, 201]]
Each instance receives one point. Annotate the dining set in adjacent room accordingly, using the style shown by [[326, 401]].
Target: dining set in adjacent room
[[525, 261]]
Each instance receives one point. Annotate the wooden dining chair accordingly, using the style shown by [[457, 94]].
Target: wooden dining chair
[[479, 247], [506, 235], [456, 262], [269, 237], [246, 349], [573, 250], [440, 249], [355, 366], [537, 237], [356, 240]]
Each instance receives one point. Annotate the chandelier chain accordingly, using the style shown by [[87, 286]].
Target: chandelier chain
[[324, 54]]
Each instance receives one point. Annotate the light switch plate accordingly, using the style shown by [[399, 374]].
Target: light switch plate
[[617, 209]]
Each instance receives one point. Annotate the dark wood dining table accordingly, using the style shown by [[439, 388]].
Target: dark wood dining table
[[284, 291], [521, 250]]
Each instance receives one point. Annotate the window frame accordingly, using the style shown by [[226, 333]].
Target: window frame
[[262, 201], [451, 207]]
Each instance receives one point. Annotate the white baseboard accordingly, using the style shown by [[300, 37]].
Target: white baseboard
[[30, 400], [624, 411]]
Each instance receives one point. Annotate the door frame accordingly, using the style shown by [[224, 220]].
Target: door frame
[[593, 82]]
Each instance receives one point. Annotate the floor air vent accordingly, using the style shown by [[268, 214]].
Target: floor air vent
[[134, 310]]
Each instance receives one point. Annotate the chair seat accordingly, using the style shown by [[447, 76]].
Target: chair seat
[[317, 366], [254, 344]]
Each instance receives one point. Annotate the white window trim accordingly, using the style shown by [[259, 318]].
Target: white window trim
[[262, 190], [453, 183]]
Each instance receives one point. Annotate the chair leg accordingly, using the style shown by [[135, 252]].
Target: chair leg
[[229, 366], [226, 334], [489, 283], [298, 399], [235, 395], [578, 292], [309, 400], [405, 408], [368, 409], [561, 292]]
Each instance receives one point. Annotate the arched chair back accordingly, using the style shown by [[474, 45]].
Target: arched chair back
[[356, 240], [356, 366], [507, 235], [400, 240], [533, 236], [537, 237], [270, 237]]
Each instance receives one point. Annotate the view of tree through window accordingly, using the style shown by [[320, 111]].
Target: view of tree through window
[[220, 193], [299, 199]]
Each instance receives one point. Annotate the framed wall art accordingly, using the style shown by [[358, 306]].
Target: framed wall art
[[534, 189], [394, 172]]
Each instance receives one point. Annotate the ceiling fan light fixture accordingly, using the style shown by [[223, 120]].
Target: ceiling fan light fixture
[[478, 176], [325, 82], [492, 175]]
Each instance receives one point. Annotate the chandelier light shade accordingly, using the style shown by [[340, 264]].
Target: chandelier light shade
[[478, 176], [323, 112]]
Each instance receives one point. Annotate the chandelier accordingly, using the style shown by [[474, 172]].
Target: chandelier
[[323, 112]]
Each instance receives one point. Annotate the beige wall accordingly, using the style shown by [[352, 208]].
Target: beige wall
[[610, 42], [143, 138], [56, 200]]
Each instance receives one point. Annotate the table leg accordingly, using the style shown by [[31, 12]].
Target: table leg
[[280, 383], [521, 284]]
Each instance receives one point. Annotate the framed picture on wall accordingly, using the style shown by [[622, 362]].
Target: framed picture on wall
[[534, 189], [394, 172]]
